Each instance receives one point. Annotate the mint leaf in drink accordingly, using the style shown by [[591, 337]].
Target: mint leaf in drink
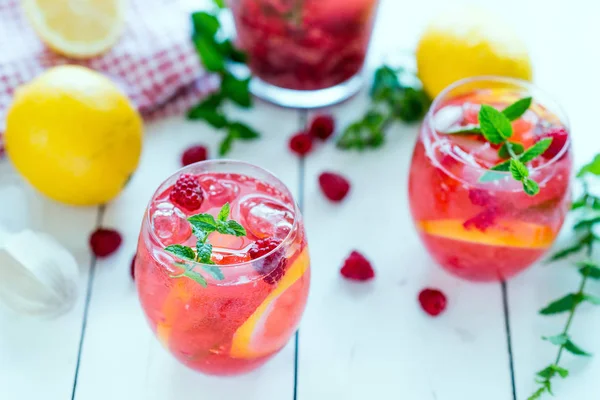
[[205, 24], [536, 150], [508, 147], [203, 222], [495, 127], [235, 228], [224, 212], [195, 276], [214, 271], [592, 167], [183, 252], [490, 176], [530, 187], [563, 304], [204, 251], [518, 170], [464, 131], [517, 109]]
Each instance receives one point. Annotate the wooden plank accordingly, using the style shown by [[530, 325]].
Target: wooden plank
[[40, 353], [121, 358]]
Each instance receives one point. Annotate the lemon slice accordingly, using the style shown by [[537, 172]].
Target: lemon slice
[[268, 328], [76, 28], [177, 296], [507, 233]]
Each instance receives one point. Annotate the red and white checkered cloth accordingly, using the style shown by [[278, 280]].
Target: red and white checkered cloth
[[154, 61]]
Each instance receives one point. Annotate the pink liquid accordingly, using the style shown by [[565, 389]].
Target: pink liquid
[[234, 325], [485, 231], [304, 44]]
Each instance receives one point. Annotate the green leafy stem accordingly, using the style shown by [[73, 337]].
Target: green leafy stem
[[396, 94], [495, 126], [202, 226], [588, 210], [216, 55]]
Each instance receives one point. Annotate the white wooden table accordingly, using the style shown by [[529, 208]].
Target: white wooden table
[[355, 341]]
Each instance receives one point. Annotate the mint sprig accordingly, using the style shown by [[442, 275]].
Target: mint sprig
[[588, 217], [216, 55], [396, 95], [202, 226], [495, 126]]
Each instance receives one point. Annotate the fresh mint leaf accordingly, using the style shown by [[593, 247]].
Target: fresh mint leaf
[[212, 101], [205, 24], [589, 269], [213, 117], [503, 166], [204, 251], [242, 131], [516, 148], [180, 251], [464, 131], [195, 276], [586, 223], [518, 170], [592, 167], [536, 150], [495, 127], [557, 340], [563, 304], [236, 228], [574, 349], [411, 105], [233, 53], [530, 187], [214, 271], [225, 146], [385, 82], [490, 176], [209, 51], [516, 109], [203, 222], [592, 299], [237, 90], [552, 369], [219, 3], [224, 212], [567, 251]]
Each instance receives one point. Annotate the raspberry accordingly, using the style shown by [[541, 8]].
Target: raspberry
[[187, 193], [559, 139], [104, 242], [194, 154], [334, 186], [433, 301], [322, 127], [132, 271], [357, 268], [301, 143], [480, 197], [273, 266], [484, 219]]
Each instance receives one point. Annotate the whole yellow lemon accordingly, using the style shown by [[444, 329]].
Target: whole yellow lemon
[[73, 135], [468, 42]]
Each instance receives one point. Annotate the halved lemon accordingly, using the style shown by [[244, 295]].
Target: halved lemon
[[268, 328], [507, 233], [76, 28]]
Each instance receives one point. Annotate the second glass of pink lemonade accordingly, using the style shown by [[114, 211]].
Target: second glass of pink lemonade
[[222, 266], [479, 228]]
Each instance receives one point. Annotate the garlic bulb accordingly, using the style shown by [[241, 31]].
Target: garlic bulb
[[37, 275]]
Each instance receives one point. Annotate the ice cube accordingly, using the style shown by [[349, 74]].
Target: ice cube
[[219, 190], [266, 216], [447, 117], [170, 224]]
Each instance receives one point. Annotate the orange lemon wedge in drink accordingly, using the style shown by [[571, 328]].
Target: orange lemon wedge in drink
[[264, 331], [506, 233], [177, 296]]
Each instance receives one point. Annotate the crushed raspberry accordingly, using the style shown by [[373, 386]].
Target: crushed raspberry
[[132, 268], [301, 143], [483, 220], [559, 138], [194, 154], [104, 242], [274, 265], [187, 193], [480, 197], [322, 127], [334, 186], [356, 267], [433, 301]]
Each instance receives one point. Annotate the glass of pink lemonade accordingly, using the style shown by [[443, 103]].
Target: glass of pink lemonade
[[476, 223], [222, 266], [304, 53]]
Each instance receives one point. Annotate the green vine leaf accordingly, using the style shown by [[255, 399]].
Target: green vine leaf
[[563, 304]]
